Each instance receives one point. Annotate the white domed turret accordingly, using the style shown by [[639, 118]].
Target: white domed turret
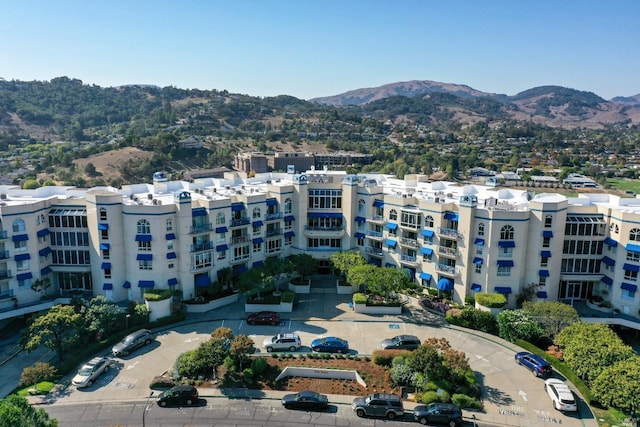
[[159, 177]]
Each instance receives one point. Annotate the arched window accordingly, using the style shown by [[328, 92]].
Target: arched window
[[548, 220], [616, 229], [288, 206], [634, 234], [256, 213], [506, 233], [144, 227], [481, 229], [428, 221], [19, 226], [361, 206], [103, 214], [220, 219], [169, 224], [393, 215]]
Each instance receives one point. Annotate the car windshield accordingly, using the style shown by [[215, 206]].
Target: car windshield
[[396, 340], [367, 400], [85, 370]]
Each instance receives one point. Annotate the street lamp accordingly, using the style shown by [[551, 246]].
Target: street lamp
[[146, 407], [126, 319]]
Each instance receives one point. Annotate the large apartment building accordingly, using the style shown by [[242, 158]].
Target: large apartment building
[[465, 239]]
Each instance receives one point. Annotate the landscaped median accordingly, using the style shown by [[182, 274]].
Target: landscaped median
[[375, 304]]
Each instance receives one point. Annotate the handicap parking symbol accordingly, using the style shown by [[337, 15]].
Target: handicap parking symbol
[[394, 326]]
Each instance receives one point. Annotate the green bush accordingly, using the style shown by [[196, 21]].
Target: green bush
[[470, 300], [385, 357], [359, 298], [466, 402], [259, 365], [158, 295], [429, 397], [432, 291], [493, 300], [248, 374], [287, 296], [162, 382]]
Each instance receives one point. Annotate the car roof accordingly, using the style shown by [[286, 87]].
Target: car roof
[[535, 357], [407, 337], [308, 393], [183, 388], [94, 361], [561, 387]]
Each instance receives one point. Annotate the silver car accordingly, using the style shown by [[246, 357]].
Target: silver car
[[133, 341], [90, 371]]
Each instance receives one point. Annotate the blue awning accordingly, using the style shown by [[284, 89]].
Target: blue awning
[[104, 246], [20, 237], [107, 286], [608, 280], [626, 286], [360, 235], [425, 276], [631, 267], [289, 234], [505, 263], [543, 273], [24, 276], [126, 285], [172, 282], [42, 233], [170, 236], [146, 283], [289, 218], [503, 289], [391, 225], [476, 287], [272, 202], [609, 261], [609, 241], [391, 243], [444, 284], [44, 251], [258, 240], [389, 265], [427, 233], [171, 255], [144, 257], [453, 216], [426, 251], [479, 242], [547, 233], [22, 257], [478, 261], [222, 230], [199, 212], [633, 248], [257, 223], [106, 266], [239, 269], [45, 271], [506, 244], [103, 226], [545, 254], [541, 294], [258, 264], [377, 203], [221, 248], [143, 237], [324, 215], [237, 207], [360, 219]]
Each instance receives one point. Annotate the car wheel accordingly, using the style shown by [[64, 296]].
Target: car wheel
[[535, 373], [391, 415], [189, 402], [423, 421], [269, 349], [453, 423], [360, 413], [518, 362], [91, 382], [125, 353], [339, 351], [292, 348], [162, 403], [147, 342]]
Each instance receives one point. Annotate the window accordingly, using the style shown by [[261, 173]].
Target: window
[[428, 240], [393, 215], [505, 252], [103, 214], [634, 234], [20, 246], [143, 227], [24, 282], [361, 206], [202, 260], [107, 273], [22, 265], [504, 271], [274, 245], [19, 226], [222, 255], [544, 261], [170, 265], [631, 275], [106, 254], [410, 219], [478, 268], [241, 252], [222, 237], [616, 229], [288, 240], [548, 221], [479, 250], [325, 199], [257, 229], [145, 265], [542, 281], [633, 256], [288, 206], [104, 234], [168, 224], [481, 229], [506, 233], [288, 225], [220, 219], [256, 213], [428, 221], [257, 247], [170, 245], [360, 241], [628, 295], [144, 246], [546, 242]]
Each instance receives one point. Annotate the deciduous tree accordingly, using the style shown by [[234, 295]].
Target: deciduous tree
[[618, 385], [552, 316], [16, 411], [58, 329]]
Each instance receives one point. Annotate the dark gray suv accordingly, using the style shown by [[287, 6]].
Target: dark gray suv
[[133, 341], [401, 342], [438, 413], [378, 405]]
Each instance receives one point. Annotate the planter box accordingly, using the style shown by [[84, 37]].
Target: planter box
[[336, 374], [283, 307], [493, 311], [159, 309], [598, 308], [346, 289], [300, 289], [212, 305], [376, 309]]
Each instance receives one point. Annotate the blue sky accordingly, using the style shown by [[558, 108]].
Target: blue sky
[[310, 48]]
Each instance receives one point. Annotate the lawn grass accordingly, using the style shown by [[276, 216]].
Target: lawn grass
[[609, 417], [625, 184], [43, 387]]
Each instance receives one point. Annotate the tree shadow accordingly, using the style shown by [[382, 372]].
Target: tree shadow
[[493, 395]]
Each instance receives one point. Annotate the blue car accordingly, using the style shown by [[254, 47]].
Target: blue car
[[330, 345], [536, 364]]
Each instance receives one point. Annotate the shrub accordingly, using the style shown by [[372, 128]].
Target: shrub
[[259, 365], [470, 300], [401, 374], [429, 397], [466, 402], [359, 298], [455, 316], [248, 374], [287, 296], [517, 324], [162, 382], [493, 300], [158, 295], [229, 363], [385, 357]]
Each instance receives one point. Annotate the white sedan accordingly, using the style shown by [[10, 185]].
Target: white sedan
[[561, 395], [90, 371]]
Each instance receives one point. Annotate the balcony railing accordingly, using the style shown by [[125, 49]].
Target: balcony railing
[[376, 218], [447, 269], [201, 228], [409, 242], [447, 251], [276, 232], [318, 228], [409, 225], [450, 232], [240, 257], [408, 259], [201, 266], [5, 274], [273, 216], [239, 222], [4, 254], [374, 251], [236, 240], [199, 247], [371, 233]]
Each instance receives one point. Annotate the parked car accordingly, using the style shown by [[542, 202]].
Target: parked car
[[536, 364], [90, 371], [280, 342], [378, 405], [133, 341], [179, 395], [561, 395], [401, 342], [264, 318], [438, 413], [309, 400], [330, 345]]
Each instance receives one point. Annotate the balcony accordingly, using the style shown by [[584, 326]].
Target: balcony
[[276, 232], [240, 258], [408, 259], [273, 216], [376, 218], [410, 226], [4, 254], [236, 240], [374, 251], [201, 228], [449, 232], [200, 247], [239, 222], [409, 242], [201, 266], [374, 234], [313, 231], [447, 270], [447, 251], [5, 274]]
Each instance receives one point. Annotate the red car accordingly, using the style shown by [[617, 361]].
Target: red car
[[264, 318]]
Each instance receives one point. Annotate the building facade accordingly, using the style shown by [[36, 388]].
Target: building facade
[[464, 239]]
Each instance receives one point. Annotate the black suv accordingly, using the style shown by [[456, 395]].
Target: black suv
[[179, 395], [133, 341], [438, 413], [378, 405]]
